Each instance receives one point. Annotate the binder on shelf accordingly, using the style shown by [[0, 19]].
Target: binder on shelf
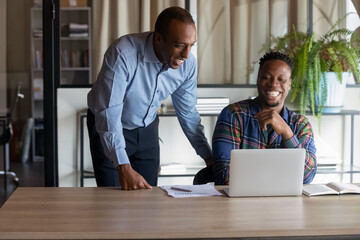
[[74, 59]]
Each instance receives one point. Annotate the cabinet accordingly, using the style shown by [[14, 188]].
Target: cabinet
[[75, 62]]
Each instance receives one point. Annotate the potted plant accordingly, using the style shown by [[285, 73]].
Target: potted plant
[[336, 51]]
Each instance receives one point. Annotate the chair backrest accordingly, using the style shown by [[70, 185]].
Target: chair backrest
[[5, 124], [16, 97]]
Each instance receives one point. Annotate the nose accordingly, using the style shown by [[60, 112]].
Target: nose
[[274, 82], [185, 52]]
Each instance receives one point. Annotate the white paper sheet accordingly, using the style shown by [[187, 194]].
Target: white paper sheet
[[203, 190]]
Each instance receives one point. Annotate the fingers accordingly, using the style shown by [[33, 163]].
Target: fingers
[[267, 117], [147, 185], [131, 180]]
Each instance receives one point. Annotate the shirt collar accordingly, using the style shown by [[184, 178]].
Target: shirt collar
[[149, 52]]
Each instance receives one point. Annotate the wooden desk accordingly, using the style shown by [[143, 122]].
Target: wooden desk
[[108, 213]]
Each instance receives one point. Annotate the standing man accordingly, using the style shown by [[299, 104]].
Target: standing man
[[138, 72], [263, 122]]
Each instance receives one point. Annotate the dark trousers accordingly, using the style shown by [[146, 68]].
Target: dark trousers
[[142, 148]]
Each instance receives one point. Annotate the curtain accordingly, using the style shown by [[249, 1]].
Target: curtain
[[230, 33], [114, 18]]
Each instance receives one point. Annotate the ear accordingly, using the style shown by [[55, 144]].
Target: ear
[[157, 37]]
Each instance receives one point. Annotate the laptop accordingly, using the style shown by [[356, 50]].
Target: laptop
[[266, 172]]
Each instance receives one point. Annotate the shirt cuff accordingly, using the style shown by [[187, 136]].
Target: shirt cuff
[[292, 142], [119, 157]]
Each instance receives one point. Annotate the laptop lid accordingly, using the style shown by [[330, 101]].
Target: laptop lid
[[266, 172]]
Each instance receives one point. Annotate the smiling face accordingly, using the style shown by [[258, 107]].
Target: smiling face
[[274, 83], [174, 48]]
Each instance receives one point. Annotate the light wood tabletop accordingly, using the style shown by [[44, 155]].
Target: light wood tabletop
[[109, 213]]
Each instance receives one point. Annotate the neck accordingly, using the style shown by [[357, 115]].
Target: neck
[[156, 50]]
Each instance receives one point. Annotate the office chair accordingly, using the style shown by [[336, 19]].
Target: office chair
[[204, 176], [6, 135]]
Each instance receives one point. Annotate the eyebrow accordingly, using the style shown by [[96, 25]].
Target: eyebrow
[[182, 43]]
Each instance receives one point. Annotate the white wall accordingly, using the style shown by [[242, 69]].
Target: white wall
[[71, 102]]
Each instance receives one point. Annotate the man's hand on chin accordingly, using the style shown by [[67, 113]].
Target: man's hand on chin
[[130, 179]]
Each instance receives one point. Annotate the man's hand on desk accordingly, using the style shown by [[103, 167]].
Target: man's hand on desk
[[130, 179]]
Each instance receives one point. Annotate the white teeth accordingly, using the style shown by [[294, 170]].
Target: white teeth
[[180, 61], [273, 93]]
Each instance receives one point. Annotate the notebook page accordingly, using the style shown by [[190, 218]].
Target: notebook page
[[203, 190]]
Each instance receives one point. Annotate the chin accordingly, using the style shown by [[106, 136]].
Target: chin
[[276, 104], [174, 66]]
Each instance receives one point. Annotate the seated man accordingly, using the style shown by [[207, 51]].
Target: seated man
[[263, 122]]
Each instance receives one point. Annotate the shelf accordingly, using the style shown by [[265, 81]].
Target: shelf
[[74, 8], [74, 38], [76, 69]]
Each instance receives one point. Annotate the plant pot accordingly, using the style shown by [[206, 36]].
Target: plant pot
[[335, 92]]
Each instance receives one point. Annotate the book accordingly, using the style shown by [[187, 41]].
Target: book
[[332, 188]]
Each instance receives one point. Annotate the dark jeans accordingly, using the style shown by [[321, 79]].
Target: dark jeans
[[142, 148]]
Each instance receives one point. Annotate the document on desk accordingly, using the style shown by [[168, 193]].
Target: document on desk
[[185, 191]]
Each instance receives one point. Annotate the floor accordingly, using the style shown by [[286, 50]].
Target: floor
[[30, 174]]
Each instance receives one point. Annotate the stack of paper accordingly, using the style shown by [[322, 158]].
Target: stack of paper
[[75, 30], [172, 168], [208, 105], [37, 33]]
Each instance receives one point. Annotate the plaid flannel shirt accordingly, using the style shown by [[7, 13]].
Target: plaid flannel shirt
[[236, 128]]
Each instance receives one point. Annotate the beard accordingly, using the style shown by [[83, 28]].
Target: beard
[[271, 105]]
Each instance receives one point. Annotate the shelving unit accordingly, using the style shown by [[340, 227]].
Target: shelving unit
[[76, 72], [75, 50]]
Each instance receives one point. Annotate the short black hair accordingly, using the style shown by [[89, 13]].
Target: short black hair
[[169, 14], [276, 56]]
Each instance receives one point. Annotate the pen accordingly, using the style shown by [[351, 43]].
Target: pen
[[180, 189]]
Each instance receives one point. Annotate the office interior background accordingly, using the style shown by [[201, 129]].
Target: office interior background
[[230, 35]]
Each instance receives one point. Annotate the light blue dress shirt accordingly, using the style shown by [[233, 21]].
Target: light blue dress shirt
[[129, 89]]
